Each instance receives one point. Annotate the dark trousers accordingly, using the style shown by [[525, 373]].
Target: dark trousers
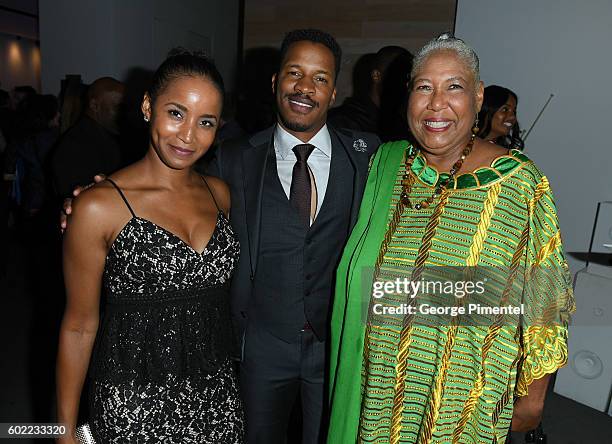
[[272, 374]]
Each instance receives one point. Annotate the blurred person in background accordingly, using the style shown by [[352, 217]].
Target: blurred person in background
[[5, 112], [30, 246], [5, 178], [72, 98], [394, 98], [91, 145], [359, 111], [256, 108], [379, 92], [19, 97], [14, 124], [21, 93], [4, 121], [497, 117], [34, 142], [2, 145]]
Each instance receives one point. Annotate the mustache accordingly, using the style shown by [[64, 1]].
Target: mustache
[[303, 98]]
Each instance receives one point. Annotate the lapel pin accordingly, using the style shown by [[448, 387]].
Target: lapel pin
[[360, 145]]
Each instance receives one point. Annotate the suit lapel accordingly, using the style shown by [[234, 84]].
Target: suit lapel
[[254, 161], [346, 143]]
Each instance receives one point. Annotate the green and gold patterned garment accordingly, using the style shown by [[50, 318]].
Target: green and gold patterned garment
[[403, 379]]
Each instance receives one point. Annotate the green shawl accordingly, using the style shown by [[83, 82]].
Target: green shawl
[[348, 316]]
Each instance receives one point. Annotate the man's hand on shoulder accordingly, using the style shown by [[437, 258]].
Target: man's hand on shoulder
[[67, 206]]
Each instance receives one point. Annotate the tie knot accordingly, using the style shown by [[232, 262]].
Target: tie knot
[[302, 151]]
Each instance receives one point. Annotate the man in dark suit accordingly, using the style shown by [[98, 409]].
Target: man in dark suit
[[296, 189]]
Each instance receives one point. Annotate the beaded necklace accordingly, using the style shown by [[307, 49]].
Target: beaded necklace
[[441, 187]]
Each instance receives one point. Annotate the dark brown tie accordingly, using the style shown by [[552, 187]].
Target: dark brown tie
[[301, 192]]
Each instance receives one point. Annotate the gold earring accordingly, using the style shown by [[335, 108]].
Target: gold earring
[[475, 127]]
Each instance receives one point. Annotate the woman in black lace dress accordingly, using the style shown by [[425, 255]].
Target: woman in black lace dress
[[153, 242]]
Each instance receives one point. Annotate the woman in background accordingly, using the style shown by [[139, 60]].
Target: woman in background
[[156, 237], [497, 118]]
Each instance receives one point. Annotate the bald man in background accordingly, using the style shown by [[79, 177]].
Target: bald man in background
[[90, 147]]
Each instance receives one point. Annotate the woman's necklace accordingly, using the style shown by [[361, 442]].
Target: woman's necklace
[[441, 187]]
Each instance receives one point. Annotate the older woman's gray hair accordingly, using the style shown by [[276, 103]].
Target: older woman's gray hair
[[447, 42]]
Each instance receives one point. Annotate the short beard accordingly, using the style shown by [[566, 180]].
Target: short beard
[[294, 126]]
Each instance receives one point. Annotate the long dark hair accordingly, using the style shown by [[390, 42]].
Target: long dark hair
[[494, 98]]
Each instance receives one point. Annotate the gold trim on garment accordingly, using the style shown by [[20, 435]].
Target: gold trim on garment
[[483, 225], [493, 330], [405, 335]]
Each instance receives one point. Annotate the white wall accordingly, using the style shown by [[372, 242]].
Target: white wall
[[561, 47], [108, 38], [75, 38]]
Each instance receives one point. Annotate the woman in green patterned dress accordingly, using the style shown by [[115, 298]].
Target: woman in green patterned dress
[[451, 205]]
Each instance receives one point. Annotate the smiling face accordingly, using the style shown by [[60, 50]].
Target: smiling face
[[184, 120], [305, 88], [503, 120], [443, 103]]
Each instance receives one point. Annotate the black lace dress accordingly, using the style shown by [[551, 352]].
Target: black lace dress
[[160, 370]]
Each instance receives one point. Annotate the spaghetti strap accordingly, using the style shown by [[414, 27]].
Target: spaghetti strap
[[211, 194], [122, 196]]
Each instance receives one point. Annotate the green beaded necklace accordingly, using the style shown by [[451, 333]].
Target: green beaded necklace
[[441, 187]]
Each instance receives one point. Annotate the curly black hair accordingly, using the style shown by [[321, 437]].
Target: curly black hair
[[181, 62], [314, 36]]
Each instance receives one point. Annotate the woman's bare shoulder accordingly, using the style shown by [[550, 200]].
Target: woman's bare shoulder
[[221, 192], [98, 205]]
